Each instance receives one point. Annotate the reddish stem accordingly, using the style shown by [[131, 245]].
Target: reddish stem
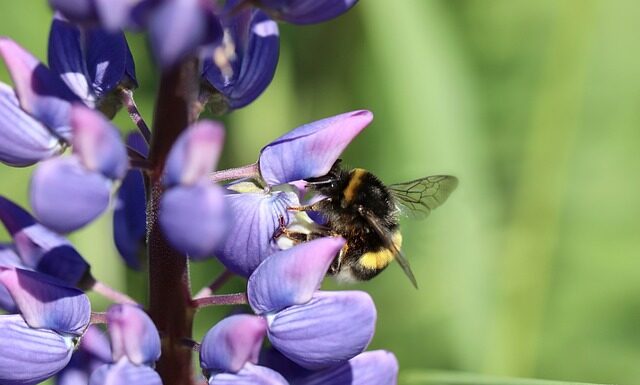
[[169, 287], [219, 300]]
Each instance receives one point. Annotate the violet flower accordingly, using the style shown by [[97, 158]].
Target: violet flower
[[92, 62], [259, 211], [304, 324], [111, 14], [41, 339], [192, 212], [135, 347], [69, 192], [229, 353], [305, 11], [93, 351], [41, 249], [241, 67], [130, 211]]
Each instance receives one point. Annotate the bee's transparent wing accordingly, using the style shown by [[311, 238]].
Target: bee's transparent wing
[[388, 242], [417, 198]]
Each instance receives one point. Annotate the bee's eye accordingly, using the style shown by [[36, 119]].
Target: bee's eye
[[333, 185]]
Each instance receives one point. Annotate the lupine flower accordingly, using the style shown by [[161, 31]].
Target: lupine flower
[[92, 62], [130, 211], [135, 347], [192, 212], [177, 28], [229, 352], [304, 324], [93, 351], [69, 192], [261, 211], [305, 11], [39, 340], [241, 67], [41, 249], [111, 14]]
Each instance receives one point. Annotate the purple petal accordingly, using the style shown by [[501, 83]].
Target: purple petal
[[29, 356], [243, 65], [13, 217], [79, 11], [194, 218], [130, 219], [195, 154], [307, 12], [178, 27], [40, 248], [249, 375], [115, 14], [331, 328], [47, 303], [41, 93], [300, 271], [125, 373], [23, 140], [65, 196], [95, 343], [66, 264], [255, 220], [310, 150], [91, 61], [97, 143], [377, 367], [133, 335], [273, 359], [232, 342], [136, 141], [93, 352], [8, 258]]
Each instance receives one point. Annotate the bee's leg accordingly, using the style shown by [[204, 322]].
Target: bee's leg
[[295, 236], [311, 207], [337, 262]]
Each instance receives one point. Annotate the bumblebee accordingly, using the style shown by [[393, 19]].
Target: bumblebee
[[360, 208]]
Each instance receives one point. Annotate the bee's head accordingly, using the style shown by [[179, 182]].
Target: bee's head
[[329, 183]]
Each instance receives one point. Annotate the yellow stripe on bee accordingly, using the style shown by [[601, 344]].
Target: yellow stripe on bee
[[355, 180], [376, 260]]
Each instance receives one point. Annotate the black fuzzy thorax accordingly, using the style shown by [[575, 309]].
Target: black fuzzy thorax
[[353, 194]]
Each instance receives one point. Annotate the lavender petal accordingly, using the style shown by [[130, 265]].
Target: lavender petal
[[249, 375], [133, 335], [195, 153], [125, 373], [316, 336], [130, 218], [29, 356], [40, 91], [376, 367], [310, 150], [178, 27], [47, 303], [97, 143], [194, 218], [300, 269], [255, 220], [65, 196], [232, 342], [8, 258], [23, 140]]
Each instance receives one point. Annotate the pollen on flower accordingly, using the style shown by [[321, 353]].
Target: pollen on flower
[[224, 54]]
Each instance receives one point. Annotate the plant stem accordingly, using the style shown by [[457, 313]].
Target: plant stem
[[126, 96], [222, 299], [215, 285], [112, 294], [248, 171], [169, 288]]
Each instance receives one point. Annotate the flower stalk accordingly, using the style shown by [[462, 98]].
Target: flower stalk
[[169, 286]]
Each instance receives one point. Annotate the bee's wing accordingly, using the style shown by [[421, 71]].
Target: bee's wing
[[418, 197], [388, 242]]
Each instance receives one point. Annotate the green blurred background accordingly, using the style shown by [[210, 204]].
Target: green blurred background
[[531, 268]]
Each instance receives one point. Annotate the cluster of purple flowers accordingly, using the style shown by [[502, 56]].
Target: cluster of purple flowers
[[58, 117]]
